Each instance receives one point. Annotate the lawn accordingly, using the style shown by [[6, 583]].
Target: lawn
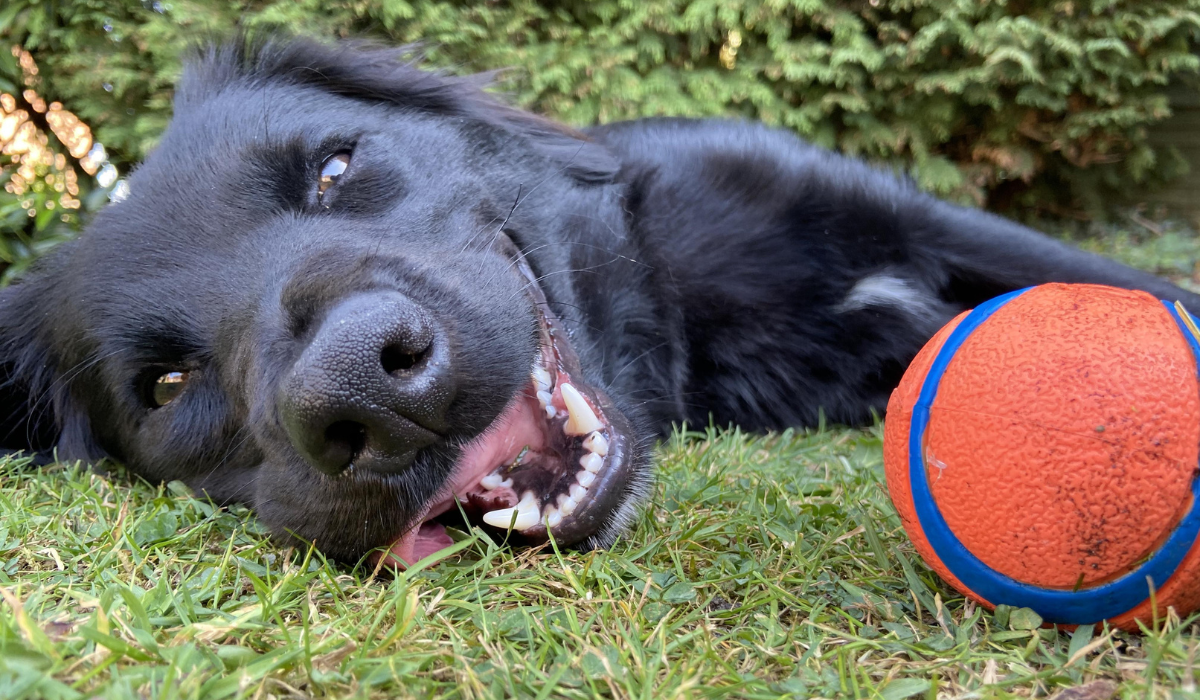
[[765, 567]]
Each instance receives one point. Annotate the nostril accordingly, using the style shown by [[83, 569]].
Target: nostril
[[345, 439], [396, 358]]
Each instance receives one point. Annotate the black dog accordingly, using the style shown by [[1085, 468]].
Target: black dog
[[351, 293]]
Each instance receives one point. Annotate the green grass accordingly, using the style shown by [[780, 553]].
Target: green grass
[[1166, 247], [765, 567]]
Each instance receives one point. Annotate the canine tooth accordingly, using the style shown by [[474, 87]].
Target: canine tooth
[[585, 479], [553, 517], [591, 462], [581, 419], [528, 514], [566, 504], [542, 378], [499, 518], [597, 444], [578, 492]]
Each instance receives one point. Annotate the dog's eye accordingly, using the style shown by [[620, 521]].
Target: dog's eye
[[331, 170], [167, 387]]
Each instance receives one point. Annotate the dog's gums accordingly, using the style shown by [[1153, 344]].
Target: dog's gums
[[553, 464]]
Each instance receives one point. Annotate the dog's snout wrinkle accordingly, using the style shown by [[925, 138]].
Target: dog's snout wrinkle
[[371, 388]]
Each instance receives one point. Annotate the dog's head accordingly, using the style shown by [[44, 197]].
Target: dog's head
[[342, 290]]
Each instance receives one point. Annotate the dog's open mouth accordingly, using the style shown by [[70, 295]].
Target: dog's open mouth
[[554, 463]]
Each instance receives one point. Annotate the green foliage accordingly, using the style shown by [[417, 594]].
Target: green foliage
[[43, 197], [1002, 103]]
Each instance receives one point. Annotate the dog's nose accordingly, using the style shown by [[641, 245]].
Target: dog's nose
[[371, 388]]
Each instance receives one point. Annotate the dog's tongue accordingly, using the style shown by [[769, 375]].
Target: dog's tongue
[[512, 431], [420, 542]]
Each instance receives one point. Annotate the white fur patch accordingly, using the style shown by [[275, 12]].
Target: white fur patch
[[888, 290]]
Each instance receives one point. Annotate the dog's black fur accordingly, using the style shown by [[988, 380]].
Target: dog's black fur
[[702, 268]]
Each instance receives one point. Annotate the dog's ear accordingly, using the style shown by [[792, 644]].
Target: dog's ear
[[577, 155], [37, 414]]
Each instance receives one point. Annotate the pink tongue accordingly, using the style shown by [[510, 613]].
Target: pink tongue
[[418, 543], [431, 538], [515, 429]]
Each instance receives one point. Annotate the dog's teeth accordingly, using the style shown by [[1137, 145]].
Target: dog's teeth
[[581, 419], [542, 378], [591, 462], [577, 492], [566, 504], [597, 444], [585, 479], [544, 399], [494, 481], [528, 514], [529, 510], [500, 518], [553, 517]]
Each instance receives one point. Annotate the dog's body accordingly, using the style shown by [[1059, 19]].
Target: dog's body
[[353, 295], [798, 279]]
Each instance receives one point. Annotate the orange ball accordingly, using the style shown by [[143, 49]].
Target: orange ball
[[1042, 452]]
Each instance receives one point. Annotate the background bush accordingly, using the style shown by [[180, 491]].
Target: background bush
[[1017, 105]]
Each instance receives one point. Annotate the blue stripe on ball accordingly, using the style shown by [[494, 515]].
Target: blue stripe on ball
[[1085, 606]]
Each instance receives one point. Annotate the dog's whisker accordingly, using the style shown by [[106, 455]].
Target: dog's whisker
[[525, 253], [516, 202], [530, 284], [616, 256], [486, 228], [632, 361]]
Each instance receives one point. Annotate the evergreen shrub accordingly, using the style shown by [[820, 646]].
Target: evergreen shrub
[[1013, 104]]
